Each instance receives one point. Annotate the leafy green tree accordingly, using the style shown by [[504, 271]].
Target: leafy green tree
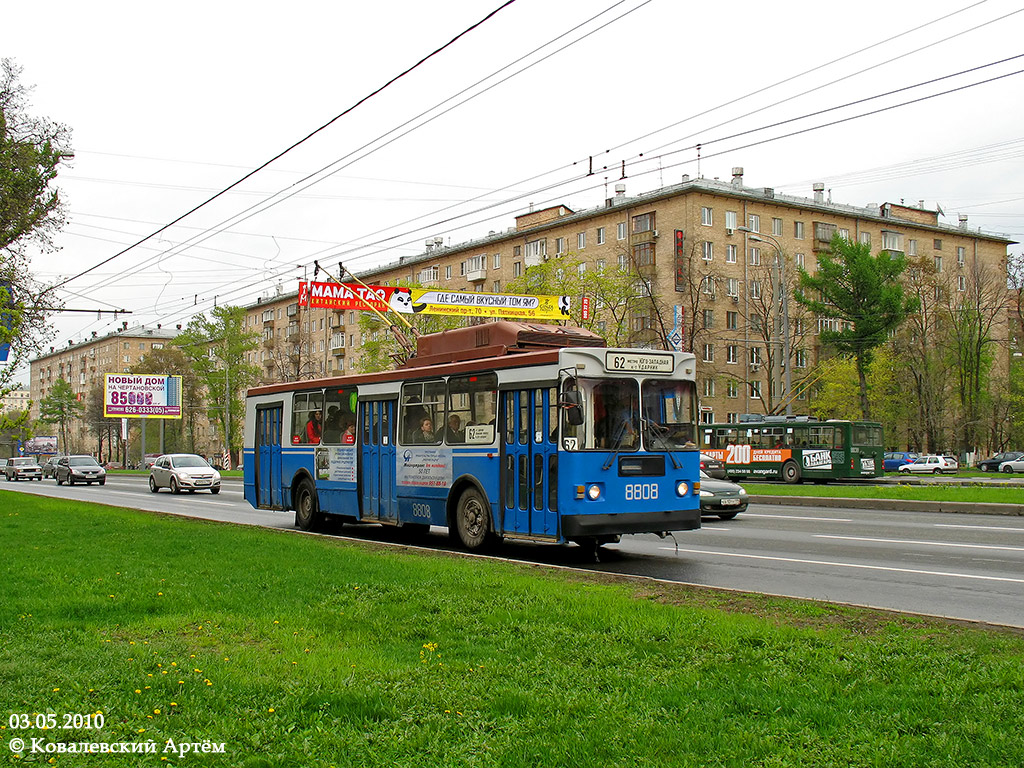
[[61, 407], [864, 294], [31, 213], [216, 349]]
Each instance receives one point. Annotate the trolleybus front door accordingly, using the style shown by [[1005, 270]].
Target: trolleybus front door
[[268, 457], [529, 482], [377, 479]]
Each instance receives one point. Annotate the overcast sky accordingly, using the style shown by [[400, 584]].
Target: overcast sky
[[171, 103]]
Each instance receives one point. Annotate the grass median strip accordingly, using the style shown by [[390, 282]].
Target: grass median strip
[[970, 494], [296, 650]]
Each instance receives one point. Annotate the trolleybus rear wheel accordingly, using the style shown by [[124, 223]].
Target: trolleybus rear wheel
[[307, 507], [791, 472], [472, 519]]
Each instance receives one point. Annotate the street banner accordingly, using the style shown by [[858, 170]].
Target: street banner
[[148, 396], [430, 301], [45, 444]]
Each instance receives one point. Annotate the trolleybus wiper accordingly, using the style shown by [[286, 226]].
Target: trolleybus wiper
[[657, 432]]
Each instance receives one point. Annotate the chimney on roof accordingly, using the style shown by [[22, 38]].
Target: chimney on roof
[[920, 204], [158, 326], [124, 326], [819, 192], [963, 221], [620, 190], [178, 326], [737, 176], [686, 178], [94, 334], [428, 244]]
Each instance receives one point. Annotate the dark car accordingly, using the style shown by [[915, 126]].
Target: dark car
[[79, 469], [721, 497], [893, 460], [992, 464], [23, 468], [50, 466], [712, 466]]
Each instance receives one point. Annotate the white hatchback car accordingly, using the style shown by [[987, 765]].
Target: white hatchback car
[[183, 472], [931, 464]]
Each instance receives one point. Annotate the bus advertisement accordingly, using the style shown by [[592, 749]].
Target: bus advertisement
[[497, 431], [795, 448]]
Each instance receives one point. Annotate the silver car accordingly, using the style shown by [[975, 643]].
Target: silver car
[[183, 472], [23, 468]]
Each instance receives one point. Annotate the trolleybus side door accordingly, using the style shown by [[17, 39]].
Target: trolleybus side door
[[377, 479], [268, 456], [529, 477]]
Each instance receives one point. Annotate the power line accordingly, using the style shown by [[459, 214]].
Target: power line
[[310, 135]]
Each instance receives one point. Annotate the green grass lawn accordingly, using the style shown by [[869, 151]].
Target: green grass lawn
[[971, 494], [305, 651]]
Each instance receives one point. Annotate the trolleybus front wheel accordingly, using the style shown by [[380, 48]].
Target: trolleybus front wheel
[[472, 519], [791, 472], [307, 507]]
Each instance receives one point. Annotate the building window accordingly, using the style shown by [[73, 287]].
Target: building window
[[777, 227], [643, 223], [938, 264], [707, 286], [732, 320], [496, 288], [844, 233], [448, 273], [798, 230], [755, 289], [755, 356], [800, 358], [709, 353], [429, 275], [865, 238], [535, 249], [892, 241], [754, 222], [732, 286], [911, 247], [732, 389], [623, 262], [517, 250], [581, 240], [732, 354], [600, 235], [581, 269], [709, 319], [496, 262], [937, 245], [800, 259], [707, 250], [730, 254], [517, 268], [601, 264], [707, 216], [755, 390], [559, 246], [709, 387], [755, 257], [620, 230], [961, 255], [707, 417], [644, 254]]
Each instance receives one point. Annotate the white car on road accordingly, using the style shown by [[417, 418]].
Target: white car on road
[[930, 464]]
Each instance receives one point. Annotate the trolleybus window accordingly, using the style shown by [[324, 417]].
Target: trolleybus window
[[668, 416], [472, 407], [612, 416], [423, 416], [339, 426], [307, 417]]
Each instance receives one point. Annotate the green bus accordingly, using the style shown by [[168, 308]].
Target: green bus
[[795, 448]]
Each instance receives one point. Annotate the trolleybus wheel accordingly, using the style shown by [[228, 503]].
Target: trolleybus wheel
[[791, 472], [307, 507], [472, 519]]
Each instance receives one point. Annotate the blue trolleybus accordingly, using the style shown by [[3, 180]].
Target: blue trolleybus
[[498, 431]]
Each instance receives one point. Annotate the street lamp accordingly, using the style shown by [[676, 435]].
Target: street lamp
[[781, 266]]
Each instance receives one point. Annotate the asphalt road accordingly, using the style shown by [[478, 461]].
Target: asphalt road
[[963, 566]]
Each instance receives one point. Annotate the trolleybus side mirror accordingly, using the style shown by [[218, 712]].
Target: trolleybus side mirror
[[571, 403]]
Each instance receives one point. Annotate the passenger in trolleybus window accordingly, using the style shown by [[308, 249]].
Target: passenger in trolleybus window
[[314, 427], [424, 435]]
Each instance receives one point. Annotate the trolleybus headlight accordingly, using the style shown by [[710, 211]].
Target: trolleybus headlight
[[594, 492], [682, 488]]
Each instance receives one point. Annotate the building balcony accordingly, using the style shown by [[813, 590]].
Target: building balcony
[[479, 275]]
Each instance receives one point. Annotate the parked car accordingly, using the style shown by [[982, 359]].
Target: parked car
[[79, 469], [721, 497], [930, 464], [712, 466], [149, 460], [1013, 465], [183, 472], [23, 468], [50, 466], [992, 463], [893, 460]]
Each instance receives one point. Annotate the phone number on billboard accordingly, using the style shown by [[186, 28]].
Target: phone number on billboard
[[141, 410]]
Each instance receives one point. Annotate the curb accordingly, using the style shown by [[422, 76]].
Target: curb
[[958, 507]]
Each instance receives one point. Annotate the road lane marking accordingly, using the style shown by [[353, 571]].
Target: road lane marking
[[923, 543], [798, 517], [849, 565], [997, 528]]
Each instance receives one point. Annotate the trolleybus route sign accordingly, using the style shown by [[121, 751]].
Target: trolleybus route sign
[[635, 362]]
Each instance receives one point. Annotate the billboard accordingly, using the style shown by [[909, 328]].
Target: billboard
[[47, 444], [429, 301], [142, 395]]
